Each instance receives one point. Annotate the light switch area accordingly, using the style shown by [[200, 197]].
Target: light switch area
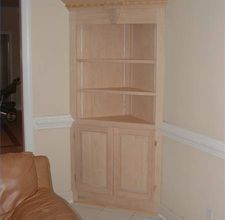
[[209, 214]]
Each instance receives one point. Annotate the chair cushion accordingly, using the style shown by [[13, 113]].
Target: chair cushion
[[44, 205], [18, 181]]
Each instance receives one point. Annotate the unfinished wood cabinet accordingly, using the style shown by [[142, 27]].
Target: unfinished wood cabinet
[[116, 81]]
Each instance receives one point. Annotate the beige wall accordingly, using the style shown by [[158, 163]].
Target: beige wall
[[195, 76], [55, 144], [193, 181], [50, 56], [50, 75]]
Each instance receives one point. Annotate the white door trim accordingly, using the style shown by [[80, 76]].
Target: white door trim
[[27, 75]]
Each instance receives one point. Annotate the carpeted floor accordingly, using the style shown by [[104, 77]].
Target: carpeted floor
[[11, 136]]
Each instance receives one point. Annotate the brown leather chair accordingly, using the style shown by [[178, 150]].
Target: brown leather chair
[[26, 190]]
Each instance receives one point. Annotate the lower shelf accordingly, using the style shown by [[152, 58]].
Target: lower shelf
[[118, 119]]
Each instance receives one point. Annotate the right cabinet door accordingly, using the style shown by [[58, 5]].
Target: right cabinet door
[[134, 163]]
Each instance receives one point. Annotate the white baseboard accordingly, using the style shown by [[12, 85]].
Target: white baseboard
[[166, 214], [68, 196], [162, 217]]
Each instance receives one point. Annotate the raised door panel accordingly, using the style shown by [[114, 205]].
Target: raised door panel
[[133, 169], [94, 159]]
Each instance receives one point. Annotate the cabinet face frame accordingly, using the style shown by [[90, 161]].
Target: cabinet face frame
[[80, 157]]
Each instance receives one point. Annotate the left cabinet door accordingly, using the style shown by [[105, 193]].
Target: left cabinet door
[[94, 155]]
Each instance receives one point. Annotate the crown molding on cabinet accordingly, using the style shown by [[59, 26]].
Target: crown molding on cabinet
[[201, 142], [99, 3], [51, 122]]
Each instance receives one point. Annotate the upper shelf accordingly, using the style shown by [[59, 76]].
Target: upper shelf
[[98, 3], [120, 90], [117, 120], [116, 61]]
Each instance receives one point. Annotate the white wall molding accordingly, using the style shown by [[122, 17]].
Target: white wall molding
[[166, 214], [51, 122], [68, 196], [27, 75], [202, 142]]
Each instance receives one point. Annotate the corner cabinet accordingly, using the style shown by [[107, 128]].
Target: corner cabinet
[[116, 87]]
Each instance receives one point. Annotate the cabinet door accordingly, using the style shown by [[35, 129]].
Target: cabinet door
[[94, 159], [133, 165]]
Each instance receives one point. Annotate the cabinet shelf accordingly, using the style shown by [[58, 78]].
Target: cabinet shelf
[[120, 90], [117, 61], [119, 119]]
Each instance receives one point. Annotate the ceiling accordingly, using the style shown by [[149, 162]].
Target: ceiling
[[10, 3]]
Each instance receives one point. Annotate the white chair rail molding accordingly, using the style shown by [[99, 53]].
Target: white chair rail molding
[[51, 122], [196, 140]]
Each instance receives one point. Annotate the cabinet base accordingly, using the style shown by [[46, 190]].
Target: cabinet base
[[142, 206]]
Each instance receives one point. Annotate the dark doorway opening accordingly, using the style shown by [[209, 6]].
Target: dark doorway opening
[[11, 121]]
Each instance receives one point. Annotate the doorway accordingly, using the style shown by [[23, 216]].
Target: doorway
[[11, 121]]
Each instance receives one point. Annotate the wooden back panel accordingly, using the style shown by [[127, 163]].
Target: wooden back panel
[[143, 77], [101, 41], [143, 41], [103, 75]]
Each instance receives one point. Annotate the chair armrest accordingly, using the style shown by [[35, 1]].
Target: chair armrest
[[43, 172]]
